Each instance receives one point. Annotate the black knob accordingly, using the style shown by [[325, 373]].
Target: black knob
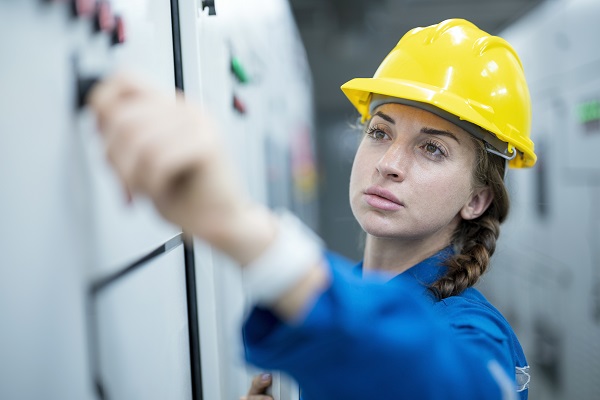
[[211, 6], [84, 87]]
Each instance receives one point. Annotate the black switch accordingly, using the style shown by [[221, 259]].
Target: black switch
[[84, 87], [211, 6]]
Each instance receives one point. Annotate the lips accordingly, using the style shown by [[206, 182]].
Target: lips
[[383, 199]]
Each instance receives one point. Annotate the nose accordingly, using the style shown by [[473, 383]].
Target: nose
[[392, 164]]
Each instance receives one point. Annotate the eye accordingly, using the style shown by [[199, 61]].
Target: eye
[[434, 150], [431, 148], [376, 133]]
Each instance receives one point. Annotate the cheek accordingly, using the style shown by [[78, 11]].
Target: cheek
[[360, 178], [360, 169], [354, 186], [444, 194]]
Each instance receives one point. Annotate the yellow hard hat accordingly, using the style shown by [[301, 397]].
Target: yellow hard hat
[[462, 74]]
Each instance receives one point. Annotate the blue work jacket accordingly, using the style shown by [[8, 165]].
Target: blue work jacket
[[365, 338]]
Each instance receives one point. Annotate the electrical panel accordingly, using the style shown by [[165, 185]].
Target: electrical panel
[[99, 297]]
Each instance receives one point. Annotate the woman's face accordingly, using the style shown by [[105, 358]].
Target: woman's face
[[412, 174]]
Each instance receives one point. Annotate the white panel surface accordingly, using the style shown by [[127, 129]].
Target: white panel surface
[[149, 45], [43, 255], [143, 332], [62, 212]]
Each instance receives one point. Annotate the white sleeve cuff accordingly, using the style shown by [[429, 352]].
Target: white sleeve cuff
[[295, 250]]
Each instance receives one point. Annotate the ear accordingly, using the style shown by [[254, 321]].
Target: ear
[[479, 201]]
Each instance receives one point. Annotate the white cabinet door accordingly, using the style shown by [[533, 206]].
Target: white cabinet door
[[141, 331]]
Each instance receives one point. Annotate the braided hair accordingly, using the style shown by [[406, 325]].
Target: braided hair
[[474, 241]]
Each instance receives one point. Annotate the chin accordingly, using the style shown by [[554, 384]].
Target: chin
[[394, 229], [381, 227]]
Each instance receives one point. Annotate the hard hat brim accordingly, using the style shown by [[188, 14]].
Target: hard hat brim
[[359, 92]]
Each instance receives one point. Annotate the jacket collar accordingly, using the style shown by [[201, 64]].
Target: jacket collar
[[425, 272]]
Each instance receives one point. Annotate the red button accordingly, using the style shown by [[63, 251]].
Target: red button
[[105, 20], [238, 105], [83, 8], [118, 35]]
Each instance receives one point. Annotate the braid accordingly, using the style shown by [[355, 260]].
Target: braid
[[474, 240], [474, 243]]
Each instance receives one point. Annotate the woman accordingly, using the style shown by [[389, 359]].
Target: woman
[[446, 111]]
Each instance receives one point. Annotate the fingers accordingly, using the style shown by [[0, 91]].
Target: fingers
[[142, 131], [105, 95], [112, 89], [166, 149], [133, 137], [259, 386]]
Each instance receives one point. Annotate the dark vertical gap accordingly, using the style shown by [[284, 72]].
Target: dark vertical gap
[[193, 325], [93, 345], [178, 68], [188, 246]]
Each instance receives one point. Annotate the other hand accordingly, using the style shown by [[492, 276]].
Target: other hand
[[258, 388]]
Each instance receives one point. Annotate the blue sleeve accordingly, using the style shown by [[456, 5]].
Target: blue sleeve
[[364, 339]]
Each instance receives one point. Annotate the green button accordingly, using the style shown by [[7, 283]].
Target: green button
[[238, 70]]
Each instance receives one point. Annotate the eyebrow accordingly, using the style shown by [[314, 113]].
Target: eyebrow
[[431, 131], [440, 132], [386, 117]]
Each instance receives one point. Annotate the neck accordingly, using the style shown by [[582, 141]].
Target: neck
[[394, 256]]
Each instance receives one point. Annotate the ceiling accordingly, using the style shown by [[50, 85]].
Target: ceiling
[[346, 39]]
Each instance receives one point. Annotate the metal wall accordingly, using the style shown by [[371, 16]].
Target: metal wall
[[546, 274]]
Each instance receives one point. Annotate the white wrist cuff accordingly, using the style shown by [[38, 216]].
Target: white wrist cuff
[[295, 250]]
